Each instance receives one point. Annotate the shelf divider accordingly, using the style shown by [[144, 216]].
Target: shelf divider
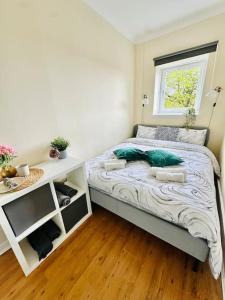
[[36, 225]]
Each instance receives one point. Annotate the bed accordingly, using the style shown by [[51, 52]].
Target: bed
[[182, 214]]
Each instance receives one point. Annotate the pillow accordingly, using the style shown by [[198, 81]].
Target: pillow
[[192, 136], [166, 133], [161, 158], [146, 132], [176, 134], [129, 154]]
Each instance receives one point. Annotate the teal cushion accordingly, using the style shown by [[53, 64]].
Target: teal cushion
[[161, 158], [129, 154]]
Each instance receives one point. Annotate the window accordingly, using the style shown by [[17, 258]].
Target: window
[[179, 85]]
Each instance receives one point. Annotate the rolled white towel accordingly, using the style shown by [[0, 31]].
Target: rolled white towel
[[175, 169], [176, 177], [115, 160], [109, 166]]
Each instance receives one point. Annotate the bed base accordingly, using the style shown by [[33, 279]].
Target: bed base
[[166, 231]]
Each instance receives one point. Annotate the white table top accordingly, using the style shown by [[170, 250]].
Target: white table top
[[52, 169]]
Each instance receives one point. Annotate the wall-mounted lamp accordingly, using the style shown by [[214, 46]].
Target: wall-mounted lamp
[[213, 95], [145, 100]]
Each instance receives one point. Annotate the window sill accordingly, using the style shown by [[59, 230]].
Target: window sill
[[168, 115], [171, 114]]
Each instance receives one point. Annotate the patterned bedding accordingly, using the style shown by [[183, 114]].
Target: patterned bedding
[[191, 205]]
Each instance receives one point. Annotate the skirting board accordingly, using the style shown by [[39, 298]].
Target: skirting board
[[222, 223], [4, 246]]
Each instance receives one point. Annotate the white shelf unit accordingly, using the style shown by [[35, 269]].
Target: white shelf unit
[[73, 172]]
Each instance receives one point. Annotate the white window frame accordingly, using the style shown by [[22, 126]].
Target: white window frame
[[160, 75]]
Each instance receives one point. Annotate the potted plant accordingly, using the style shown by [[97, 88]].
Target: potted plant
[[7, 154], [190, 117], [60, 144]]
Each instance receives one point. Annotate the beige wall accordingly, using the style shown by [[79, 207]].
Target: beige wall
[[222, 165], [204, 32], [63, 71]]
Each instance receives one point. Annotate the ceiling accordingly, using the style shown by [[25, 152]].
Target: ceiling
[[141, 20]]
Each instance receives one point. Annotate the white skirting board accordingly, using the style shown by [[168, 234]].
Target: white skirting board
[[4, 246], [222, 223]]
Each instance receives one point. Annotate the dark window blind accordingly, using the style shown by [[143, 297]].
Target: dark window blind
[[199, 50]]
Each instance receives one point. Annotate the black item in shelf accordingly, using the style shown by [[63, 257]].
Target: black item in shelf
[[26, 210], [51, 229], [40, 242], [62, 199], [73, 213], [65, 189], [41, 239]]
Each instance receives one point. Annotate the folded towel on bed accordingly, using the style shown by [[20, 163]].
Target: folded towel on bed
[[115, 164], [177, 177], [114, 160], [175, 169]]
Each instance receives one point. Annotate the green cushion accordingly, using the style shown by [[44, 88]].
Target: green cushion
[[129, 154], [161, 158]]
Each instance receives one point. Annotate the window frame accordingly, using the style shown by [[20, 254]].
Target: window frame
[[160, 75]]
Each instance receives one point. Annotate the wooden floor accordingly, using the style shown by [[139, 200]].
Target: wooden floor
[[109, 258]]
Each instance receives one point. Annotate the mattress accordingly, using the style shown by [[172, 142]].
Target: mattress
[[191, 205]]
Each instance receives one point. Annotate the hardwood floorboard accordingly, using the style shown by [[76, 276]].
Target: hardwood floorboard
[[109, 258]]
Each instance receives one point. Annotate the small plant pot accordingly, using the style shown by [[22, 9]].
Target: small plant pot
[[63, 154]]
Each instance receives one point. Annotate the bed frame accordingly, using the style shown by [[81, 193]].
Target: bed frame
[[166, 231]]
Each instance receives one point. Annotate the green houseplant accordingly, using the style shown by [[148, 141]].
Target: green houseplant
[[61, 145], [190, 116]]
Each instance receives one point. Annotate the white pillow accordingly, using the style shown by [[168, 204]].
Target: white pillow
[[192, 136], [146, 132]]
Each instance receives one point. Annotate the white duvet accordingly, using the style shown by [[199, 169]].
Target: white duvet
[[191, 205]]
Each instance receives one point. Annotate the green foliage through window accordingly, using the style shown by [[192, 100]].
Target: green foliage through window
[[181, 87]]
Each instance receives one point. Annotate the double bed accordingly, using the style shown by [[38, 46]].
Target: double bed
[[182, 214]]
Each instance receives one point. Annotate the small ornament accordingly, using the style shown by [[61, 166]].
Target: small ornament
[[8, 171], [9, 183], [54, 153]]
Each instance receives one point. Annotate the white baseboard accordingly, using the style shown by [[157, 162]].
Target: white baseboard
[[4, 247], [222, 223]]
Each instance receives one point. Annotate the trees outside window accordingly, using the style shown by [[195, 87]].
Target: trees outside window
[[179, 86]]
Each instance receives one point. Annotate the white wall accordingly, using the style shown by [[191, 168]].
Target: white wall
[[63, 71], [194, 35]]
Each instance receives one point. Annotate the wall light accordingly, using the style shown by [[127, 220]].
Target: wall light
[[145, 100], [213, 95]]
